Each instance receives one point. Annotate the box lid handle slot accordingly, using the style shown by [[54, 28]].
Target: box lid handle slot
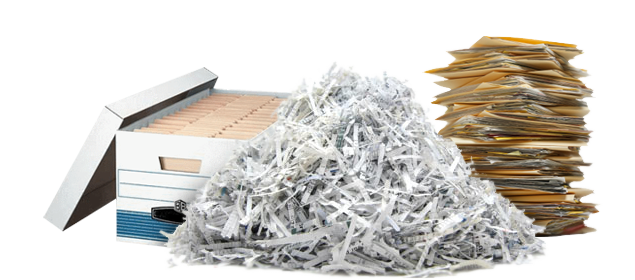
[[180, 164]]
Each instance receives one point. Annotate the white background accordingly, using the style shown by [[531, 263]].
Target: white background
[[61, 62]]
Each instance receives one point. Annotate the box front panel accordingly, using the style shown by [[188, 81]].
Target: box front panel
[[144, 183], [169, 156]]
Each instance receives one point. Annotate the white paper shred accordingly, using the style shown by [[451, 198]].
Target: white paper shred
[[352, 179]]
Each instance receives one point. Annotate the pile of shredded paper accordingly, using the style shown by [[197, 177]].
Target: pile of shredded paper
[[352, 178]]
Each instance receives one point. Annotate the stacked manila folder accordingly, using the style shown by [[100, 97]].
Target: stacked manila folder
[[515, 108]]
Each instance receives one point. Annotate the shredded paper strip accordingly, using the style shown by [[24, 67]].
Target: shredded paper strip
[[354, 179]]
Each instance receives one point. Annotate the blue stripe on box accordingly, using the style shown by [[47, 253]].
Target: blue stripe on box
[[134, 224], [140, 225]]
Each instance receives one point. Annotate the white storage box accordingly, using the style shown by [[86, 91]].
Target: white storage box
[[172, 153], [155, 169]]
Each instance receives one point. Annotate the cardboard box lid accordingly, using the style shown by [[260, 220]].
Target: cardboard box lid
[[90, 183]]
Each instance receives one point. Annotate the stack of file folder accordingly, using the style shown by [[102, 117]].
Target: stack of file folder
[[516, 111]]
